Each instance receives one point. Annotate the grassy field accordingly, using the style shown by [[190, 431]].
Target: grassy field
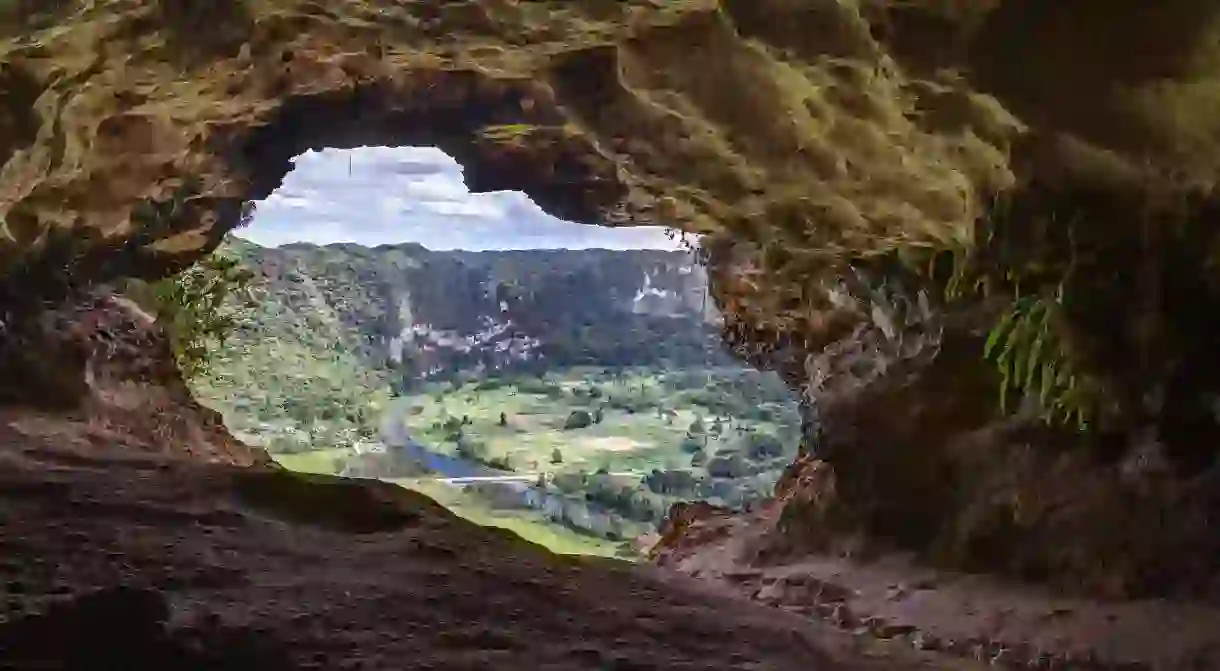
[[313, 461], [648, 423], [650, 437], [530, 526]]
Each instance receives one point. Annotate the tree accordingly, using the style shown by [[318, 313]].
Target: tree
[[556, 456], [579, 419], [696, 427], [691, 444], [195, 308], [761, 445], [732, 466]]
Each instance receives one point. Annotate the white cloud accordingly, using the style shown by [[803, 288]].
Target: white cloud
[[388, 195]]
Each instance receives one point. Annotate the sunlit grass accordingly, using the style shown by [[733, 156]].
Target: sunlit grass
[[313, 461], [623, 441], [526, 524]]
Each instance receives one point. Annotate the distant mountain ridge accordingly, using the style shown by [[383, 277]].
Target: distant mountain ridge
[[422, 314]]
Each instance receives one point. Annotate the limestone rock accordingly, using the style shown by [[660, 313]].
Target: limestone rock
[[706, 115], [98, 372]]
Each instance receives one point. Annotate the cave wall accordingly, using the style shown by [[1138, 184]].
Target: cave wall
[[606, 113], [98, 373], [811, 140]]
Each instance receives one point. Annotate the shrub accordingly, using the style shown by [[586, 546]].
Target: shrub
[[691, 445], [579, 419], [503, 463], [471, 449], [732, 466], [195, 309], [1030, 358]]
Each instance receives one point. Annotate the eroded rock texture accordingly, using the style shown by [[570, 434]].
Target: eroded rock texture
[[98, 372], [706, 115], [130, 561], [806, 136]]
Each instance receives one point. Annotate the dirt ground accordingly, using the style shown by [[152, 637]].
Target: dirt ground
[[1004, 624], [116, 560]]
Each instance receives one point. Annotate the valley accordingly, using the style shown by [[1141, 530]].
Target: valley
[[574, 410]]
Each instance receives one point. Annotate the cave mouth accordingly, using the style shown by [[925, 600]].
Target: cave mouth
[[507, 132], [566, 381], [496, 129]]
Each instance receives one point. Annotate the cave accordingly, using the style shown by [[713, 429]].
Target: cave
[[840, 185], [567, 380]]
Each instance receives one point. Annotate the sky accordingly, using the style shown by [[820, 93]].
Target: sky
[[416, 194]]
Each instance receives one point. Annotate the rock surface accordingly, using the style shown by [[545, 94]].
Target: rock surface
[[893, 598], [96, 372], [135, 532], [123, 560], [701, 114]]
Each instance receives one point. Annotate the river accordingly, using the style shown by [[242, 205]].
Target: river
[[570, 511]]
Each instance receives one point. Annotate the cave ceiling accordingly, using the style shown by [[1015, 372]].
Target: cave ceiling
[[133, 131]]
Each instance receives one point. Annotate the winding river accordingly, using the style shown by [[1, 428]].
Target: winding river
[[571, 511]]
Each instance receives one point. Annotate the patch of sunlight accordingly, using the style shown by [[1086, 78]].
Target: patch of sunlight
[[312, 461], [528, 525]]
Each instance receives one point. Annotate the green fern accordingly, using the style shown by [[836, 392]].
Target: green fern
[[1031, 361]]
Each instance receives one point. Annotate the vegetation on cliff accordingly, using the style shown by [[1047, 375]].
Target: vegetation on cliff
[[201, 307], [334, 342]]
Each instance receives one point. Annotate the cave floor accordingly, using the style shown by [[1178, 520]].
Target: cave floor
[[970, 616], [110, 559]]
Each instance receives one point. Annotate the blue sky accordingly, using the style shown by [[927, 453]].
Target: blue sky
[[416, 194]]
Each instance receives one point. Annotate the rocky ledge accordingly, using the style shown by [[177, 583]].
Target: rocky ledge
[[96, 374], [896, 598]]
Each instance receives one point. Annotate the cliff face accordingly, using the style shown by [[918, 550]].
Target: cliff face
[[420, 314], [881, 182], [330, 333]]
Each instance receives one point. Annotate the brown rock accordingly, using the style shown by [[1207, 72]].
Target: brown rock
[[106, 371]]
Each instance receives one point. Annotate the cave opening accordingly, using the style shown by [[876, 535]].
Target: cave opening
[[564, 380]]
